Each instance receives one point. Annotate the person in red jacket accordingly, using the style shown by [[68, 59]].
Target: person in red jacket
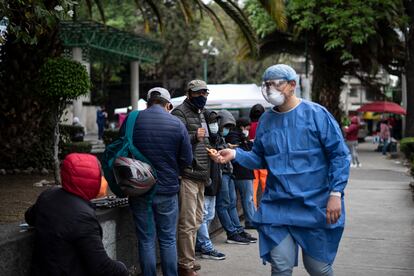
[[351, 135], [68, 236]]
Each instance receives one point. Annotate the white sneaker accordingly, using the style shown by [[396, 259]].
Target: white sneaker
[[353, 166], [359, 165]]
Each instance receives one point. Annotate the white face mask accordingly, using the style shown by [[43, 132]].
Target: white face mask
[[214, 127], [273, 96], [246, 133]]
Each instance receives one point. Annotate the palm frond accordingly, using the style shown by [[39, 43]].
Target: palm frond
[[89, 6], [213, 16], [186, 10], [237, 15], [276, 10], [144, 16], [156, 10], [100, 9]]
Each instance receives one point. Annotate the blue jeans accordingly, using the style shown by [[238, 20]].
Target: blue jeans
[[284, 258], [226, 206], [385, 145], [164, 218], [203, 241], [101, 127], [245, 188]]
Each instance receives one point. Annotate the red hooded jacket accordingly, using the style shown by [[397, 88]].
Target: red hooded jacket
[[68, 236], [81, 175], [352, 131]]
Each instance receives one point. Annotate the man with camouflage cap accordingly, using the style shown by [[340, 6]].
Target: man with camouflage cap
[[194, 177]]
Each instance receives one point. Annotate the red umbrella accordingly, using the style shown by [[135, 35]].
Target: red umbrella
[[382, 107]]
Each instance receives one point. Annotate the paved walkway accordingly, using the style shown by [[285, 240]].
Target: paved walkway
[[379, 234]]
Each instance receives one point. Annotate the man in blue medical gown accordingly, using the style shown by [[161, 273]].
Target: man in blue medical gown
[[301, 146]]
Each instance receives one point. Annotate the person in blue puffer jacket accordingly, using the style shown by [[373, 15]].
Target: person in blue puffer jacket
[[163, 140]]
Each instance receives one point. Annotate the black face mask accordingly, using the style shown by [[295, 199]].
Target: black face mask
[[199, 101]]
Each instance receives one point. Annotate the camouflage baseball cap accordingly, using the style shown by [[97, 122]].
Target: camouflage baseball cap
[[196, 85]]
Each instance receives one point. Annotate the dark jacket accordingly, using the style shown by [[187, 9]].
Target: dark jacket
[[164, 141], [215, 168], [68, 236], [193, 119], [237, 137], [225, 118]]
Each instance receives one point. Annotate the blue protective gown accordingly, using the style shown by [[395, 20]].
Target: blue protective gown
[[306, 158]]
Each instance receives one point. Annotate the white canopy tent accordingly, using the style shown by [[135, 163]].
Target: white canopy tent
[[142, 104], [231, 96]]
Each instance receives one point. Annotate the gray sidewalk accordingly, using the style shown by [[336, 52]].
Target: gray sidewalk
[[379, 233]]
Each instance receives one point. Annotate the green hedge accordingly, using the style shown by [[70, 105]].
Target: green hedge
[[412, 169], [110, 135], [407, 147], [68, 131], [80, 147]]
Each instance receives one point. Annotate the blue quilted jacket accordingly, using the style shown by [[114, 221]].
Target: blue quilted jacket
[[164, 140]]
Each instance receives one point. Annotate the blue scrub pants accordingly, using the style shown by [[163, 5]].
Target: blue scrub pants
[[284, 258]]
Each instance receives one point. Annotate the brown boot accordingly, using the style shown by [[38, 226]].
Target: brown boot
[[182, 271]]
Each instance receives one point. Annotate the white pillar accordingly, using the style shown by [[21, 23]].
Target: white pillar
[[77, 104], [134, 84], [78, 110]]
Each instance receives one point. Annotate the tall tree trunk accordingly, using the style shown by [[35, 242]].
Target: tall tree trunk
[[409, 71], [326, 82]]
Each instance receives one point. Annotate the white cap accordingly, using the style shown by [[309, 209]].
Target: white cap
[[163, 93]]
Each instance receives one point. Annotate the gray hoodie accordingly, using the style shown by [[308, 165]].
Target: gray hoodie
[[225, 118]]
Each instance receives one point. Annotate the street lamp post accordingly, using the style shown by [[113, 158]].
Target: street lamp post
[[208, 50], [205, 64]]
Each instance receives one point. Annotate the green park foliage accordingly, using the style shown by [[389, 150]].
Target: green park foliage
[[343, 23], [355, 37], [110, 135], [407, 147], [63, 79], [70, 147]]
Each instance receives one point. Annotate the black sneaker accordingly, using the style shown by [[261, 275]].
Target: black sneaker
[[213, 255], [248, 237], [237, 239]]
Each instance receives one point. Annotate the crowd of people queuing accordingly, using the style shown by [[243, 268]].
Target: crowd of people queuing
[[295, 151]]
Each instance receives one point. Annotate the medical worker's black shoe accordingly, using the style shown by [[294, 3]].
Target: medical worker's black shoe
[[248, 237], [237, 239], [213, 255]]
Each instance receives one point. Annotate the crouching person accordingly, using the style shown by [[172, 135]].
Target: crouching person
[[68, 236]]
